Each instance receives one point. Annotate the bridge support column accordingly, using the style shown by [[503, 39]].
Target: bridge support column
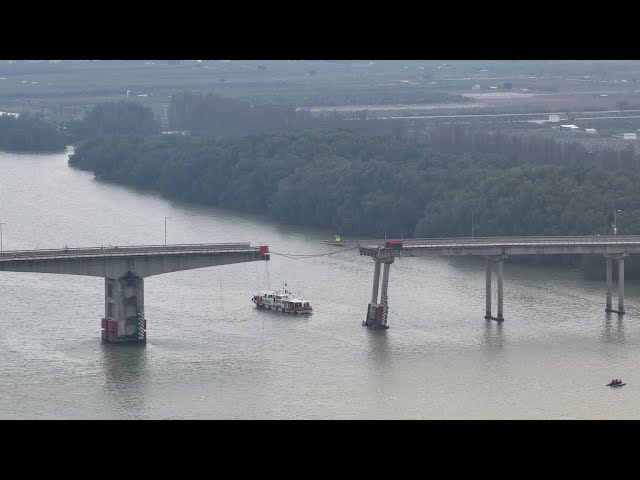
[[377, 312], [500, 284], [488, 289], [376, 283], [609, 282], [124, 310], [620, 258], [499, 267], [621, 285]]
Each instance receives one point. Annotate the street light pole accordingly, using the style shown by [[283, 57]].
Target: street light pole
[[165, 230], [1, 223], [472, 224], [615, 222]]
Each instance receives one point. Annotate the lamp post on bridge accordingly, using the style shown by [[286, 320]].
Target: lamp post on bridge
[[472, 225], [1, 223], [165, 230], [615, 221]]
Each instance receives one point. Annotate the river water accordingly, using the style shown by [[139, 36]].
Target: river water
[[210, 354]]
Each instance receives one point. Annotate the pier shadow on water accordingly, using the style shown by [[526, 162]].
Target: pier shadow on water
[[493, 340], [125, 378], [613, 328], [379, 348]]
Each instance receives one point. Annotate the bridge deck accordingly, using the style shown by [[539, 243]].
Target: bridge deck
[[124, 251], [507, 245]]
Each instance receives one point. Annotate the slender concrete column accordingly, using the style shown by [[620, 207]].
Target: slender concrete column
[[376, 283], [488, 289], [500, 262], [621, 285], [376, 312], [385, 281], [609, 282]]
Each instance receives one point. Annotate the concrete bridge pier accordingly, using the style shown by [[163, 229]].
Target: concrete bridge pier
[[499, 267], [385, 283], [609, 283], [621, 285], [499, 264], [377, 312], [620, 258], [488, 288], [124, 309], [376, 283]]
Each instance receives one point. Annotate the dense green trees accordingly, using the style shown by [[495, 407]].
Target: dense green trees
[[27, 133], [534, 148], [371, 185], [113, 118], [218, 115]]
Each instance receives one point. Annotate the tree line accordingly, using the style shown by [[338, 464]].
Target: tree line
[[32, 133], [113, 118], [369, 184], [198, 112], [29, 133], [216, 115], [533, 148]]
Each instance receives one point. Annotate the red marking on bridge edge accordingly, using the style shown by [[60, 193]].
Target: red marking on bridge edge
[[393, 244]]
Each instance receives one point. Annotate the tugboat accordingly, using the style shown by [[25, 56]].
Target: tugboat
[[285, 302], [337, 241], [616, 382]]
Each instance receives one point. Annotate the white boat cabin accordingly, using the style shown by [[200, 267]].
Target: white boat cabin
[[285, 301]]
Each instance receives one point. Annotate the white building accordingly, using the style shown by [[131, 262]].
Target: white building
[[475, 87], [572, 128], [630, 136], [590, 131], [554, 118]]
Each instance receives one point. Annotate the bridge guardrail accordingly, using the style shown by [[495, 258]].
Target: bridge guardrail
[[608, 239]]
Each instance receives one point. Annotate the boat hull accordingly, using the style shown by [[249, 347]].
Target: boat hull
[[283, 310]]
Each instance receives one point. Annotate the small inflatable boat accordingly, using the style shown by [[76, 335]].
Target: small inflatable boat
[[614, 385]]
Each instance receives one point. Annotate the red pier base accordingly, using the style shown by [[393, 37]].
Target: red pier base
[[375, 316], [110, 332]]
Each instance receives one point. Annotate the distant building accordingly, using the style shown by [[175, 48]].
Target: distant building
[[493, 88], [554, 118], [176, 132], [571, 128], [590, 131], [630, 136], [475, 87]]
